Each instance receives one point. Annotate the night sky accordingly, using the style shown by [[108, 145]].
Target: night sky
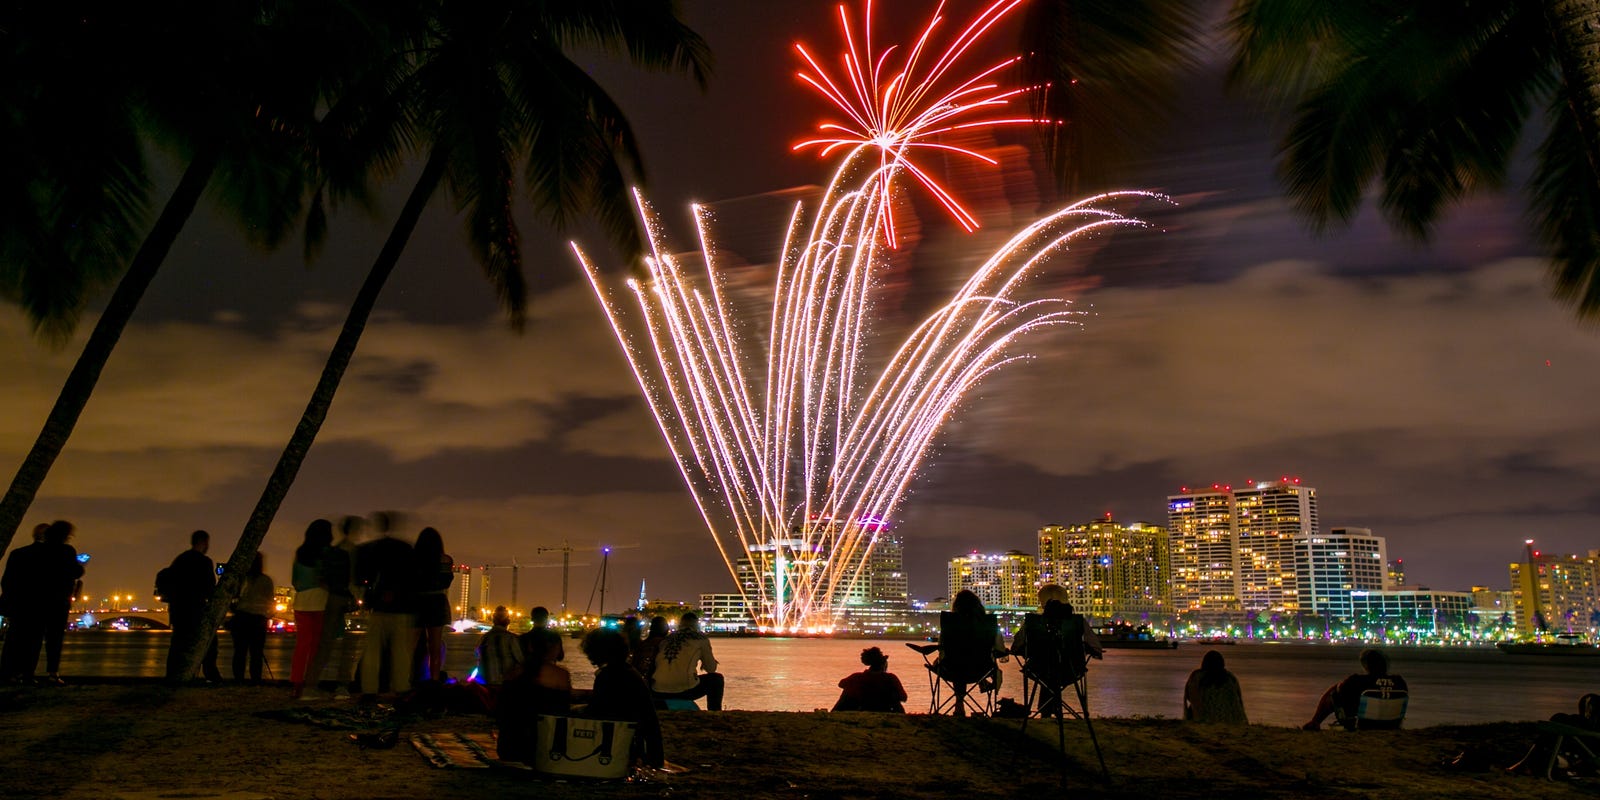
[[1434, 394]]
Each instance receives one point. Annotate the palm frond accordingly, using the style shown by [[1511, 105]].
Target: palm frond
[[1107, 72], [1564, 204], [650, 32]]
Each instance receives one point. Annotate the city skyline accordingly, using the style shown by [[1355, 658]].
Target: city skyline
[[1437, 392]]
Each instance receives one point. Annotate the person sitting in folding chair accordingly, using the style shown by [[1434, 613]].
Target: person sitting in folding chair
[[1055, 645], [1373, 699], [969, 642]]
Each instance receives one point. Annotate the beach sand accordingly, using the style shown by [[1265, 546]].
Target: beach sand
[[148, 741]]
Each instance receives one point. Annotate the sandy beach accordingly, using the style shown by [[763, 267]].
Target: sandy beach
[[148, 741]]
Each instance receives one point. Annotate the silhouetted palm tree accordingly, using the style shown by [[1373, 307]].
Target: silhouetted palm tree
[[1108, 70], [226, 85], [1428, 100], [492, 85]]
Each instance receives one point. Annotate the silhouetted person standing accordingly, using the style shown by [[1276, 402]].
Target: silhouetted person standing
[[193, 579], [37, 586], [251, 613], [384, 566]]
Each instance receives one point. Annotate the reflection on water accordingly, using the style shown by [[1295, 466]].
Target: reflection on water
[[1281, 682]]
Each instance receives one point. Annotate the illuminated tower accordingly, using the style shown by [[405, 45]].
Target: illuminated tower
[[1268, 517], [1009, 579], [1111, 570], [1329, 567], [1203, 553], [1566, 588]]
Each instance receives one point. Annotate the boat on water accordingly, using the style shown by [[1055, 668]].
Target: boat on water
[[1568, 645], [1124, 636], [1214, 640]]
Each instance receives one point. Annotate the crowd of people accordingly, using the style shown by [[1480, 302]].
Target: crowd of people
[[640, 668]]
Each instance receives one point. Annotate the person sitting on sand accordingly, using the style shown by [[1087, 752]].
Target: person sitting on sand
[[543, 688], [872, 689], [499, 652], [643, 657], [541, 632], [1212, 694], [1537, 761], [675, 676], [1345, 696], [620, 693]]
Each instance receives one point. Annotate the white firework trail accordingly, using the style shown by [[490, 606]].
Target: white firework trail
[[797, 450]]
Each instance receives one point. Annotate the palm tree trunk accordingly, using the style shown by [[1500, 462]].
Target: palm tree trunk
[[1575, 26], [85, 373], [316, 411]]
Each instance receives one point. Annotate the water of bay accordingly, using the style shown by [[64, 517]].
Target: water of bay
[[1281, 681]]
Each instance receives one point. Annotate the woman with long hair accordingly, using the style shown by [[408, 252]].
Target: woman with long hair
[[310, 601], [1212, 693], [249, 624], [434, 569]]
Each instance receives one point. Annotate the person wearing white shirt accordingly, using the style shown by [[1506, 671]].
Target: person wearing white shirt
[[682, 654]]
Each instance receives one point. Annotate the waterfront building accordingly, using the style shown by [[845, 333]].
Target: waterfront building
[[870, 590], [1110, 570], [1009, 579], [1328, 568], [724, 611], [1560, 593], [881, 599], [1397, 574], [1202, 553], [772, 570], [1422, 612], [1233, 550], [1494, 611], [1268, 517]]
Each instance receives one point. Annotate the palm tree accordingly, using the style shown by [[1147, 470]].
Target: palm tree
[[1428, 100], [493, 84], [223, 84], [1107, 70]]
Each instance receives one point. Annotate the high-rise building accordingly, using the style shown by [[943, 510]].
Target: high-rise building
[[1329, 567], [869, 589], [1110, 570], [1268, 517], [1202, 552], [1552, 592], [1009, 579], [1397, 574], [771, 570], [1233, 549], [881, 597], [725, 611]]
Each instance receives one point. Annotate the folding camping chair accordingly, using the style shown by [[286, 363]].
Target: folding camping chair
[[963, 661], [1379, 709], [1054, 660]]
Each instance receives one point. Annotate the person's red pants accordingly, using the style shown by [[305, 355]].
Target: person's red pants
[[307, 636]]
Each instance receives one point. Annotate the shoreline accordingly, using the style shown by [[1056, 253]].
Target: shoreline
[[139, 739]]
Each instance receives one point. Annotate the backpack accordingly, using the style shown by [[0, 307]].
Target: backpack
[[166, 583]]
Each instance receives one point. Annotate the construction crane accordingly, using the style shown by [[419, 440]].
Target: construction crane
[[566, 569], [566, 550], [517, 566]]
